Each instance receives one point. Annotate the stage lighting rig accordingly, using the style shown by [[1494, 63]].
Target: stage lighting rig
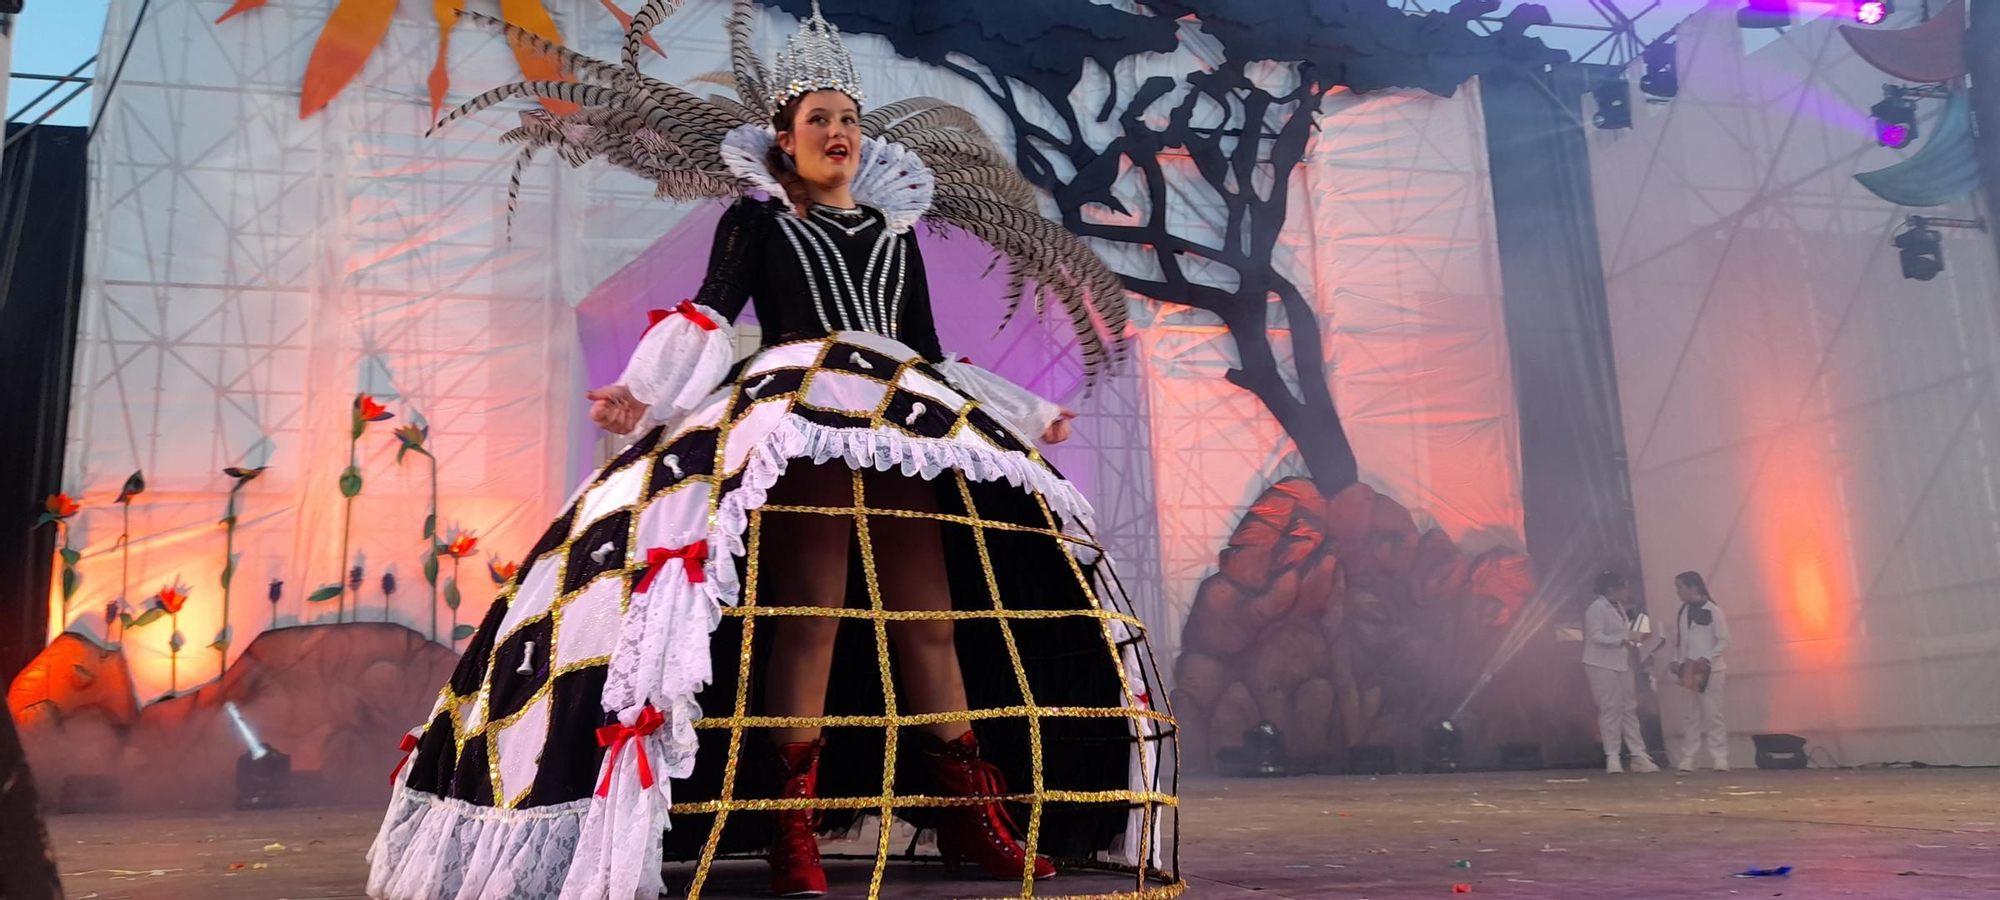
[[1662, 78], [1764, 14], [1921, 247], [1614, 105], [1872, 12], [1896, 115]]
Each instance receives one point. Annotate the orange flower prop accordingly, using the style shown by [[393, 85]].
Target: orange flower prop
[[462, 545], [173, 597], [502, 572], [60, 506], [357, 27]]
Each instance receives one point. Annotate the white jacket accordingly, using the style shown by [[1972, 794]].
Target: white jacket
[[1606, 628], [1696, 641]]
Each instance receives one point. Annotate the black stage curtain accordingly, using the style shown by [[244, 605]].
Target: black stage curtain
[[1576, 491], [43, 187]]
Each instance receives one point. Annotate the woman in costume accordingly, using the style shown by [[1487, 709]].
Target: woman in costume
[[834, 580]]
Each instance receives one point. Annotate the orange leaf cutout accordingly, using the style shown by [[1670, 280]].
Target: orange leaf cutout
[[241, 6], [625, 23], [351, 35], [529, 16], [446, 12]]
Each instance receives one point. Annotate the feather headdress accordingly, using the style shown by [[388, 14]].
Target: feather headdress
[[694, 147]]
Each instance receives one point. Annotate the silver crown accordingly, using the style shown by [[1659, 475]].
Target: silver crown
[[813, 60]]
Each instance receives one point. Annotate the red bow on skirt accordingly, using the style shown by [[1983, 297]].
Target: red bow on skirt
[[616, 736], [692, 557]]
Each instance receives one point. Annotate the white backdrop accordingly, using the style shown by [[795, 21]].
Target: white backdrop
[[250, 272], [1806, 428]]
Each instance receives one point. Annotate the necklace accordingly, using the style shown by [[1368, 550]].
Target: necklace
[[832, 216]]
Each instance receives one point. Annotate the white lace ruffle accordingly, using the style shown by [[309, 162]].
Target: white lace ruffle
[[431, 847], [887, 176], [677, 363], [619, 855], [1023, 410]]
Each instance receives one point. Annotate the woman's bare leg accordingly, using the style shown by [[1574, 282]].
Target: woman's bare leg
[[912, 577], [811, 552]]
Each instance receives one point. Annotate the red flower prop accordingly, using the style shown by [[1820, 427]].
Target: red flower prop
[[459, 544], [369, 410], [502, 572], [60, 506], [173, 597]]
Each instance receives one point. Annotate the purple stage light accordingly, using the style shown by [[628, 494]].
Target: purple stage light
[[1892, 135], [1871, 12]]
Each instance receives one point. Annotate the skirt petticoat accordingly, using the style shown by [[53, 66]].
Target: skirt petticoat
[[606, 717]]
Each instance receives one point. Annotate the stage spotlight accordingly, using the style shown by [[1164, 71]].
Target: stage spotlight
[[1614, 104], [1261, 756], [1661, 78], [1921, 248], [1265, 746], [263, 775], [1764, 14], [1443, 748], [1872, 12], [1895, 117]]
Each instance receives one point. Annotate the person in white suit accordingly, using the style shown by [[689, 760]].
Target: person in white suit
[[1700, 638], [1610, 633]]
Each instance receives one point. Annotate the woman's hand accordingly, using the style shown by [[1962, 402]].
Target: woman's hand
[[614, 409], [1059, 430]]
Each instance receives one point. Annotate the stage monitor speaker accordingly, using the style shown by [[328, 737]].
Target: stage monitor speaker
[[1780, 751], [1524, 757], [88, 794], [1371, 759]]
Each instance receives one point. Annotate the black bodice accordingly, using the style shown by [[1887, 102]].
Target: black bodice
[[833, 270]]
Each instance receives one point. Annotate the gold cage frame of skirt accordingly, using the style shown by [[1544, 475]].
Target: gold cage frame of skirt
[[1150, 882]]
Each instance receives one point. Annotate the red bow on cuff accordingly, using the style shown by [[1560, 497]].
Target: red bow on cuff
[[684, 308], [408, 745], [692, 557], [616, 736]]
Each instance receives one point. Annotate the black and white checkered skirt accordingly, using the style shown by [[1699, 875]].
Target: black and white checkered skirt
[[630, 631]]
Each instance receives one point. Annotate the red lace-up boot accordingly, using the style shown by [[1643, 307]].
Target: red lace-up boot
[[795, 867], [984, 834]]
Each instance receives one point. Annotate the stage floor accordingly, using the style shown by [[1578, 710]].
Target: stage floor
[[1931, 834]]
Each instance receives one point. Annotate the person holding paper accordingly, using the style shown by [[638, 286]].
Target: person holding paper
[[1610, 634]]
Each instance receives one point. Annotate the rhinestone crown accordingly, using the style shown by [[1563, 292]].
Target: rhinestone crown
[[813, 60]]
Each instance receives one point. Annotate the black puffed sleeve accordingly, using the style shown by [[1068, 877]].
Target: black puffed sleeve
[[914, 325], [733, 260]]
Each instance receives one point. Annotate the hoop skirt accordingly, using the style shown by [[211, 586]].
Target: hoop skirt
[[608, 714]]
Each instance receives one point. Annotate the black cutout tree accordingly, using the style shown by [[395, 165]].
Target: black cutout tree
[[1041, 46]]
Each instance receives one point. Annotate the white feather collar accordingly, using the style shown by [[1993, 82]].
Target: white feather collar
[[890, 177]]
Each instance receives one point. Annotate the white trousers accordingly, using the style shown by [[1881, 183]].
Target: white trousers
[[1701, 722], [1617, 710]]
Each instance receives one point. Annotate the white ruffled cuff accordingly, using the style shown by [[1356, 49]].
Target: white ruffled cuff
[[1011, 403], [679, 361]]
